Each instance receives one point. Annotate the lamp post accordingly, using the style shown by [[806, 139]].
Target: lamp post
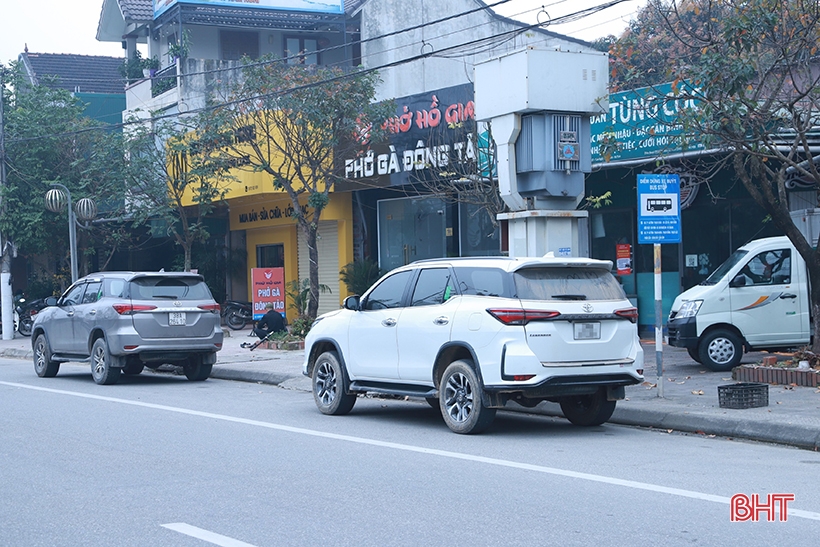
[[56, 199]]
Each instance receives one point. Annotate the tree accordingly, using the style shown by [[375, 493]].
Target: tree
[[756, 80], [661, 39], [168, 165], [292, 122], [48, 139], [470, 175]]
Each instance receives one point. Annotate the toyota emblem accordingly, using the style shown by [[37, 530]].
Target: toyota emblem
[[177, 303], [588, 308]]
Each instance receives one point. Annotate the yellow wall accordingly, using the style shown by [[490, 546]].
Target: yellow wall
[[264, 226]]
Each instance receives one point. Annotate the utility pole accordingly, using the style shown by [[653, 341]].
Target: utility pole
[[6, 304]]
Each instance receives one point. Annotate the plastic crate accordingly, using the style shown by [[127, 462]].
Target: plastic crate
[[743, 395]]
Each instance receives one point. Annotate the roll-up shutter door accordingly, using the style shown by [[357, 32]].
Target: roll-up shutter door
[[328, 246]]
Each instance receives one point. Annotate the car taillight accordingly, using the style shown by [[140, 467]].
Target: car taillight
[[518, 316], [130, 309], [628, 313], [209, 307]]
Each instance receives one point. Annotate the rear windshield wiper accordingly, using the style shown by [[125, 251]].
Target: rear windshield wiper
[[569, 296]]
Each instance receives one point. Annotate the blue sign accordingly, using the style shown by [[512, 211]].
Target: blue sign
[[658, 209]]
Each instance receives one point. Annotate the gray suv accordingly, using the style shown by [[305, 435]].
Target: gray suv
[[124, 321]]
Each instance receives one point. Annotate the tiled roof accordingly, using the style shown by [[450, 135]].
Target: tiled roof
[[137, 10], [83, 73]]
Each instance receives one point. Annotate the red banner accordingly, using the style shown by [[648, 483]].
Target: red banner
[[268, 286], [623, 254]]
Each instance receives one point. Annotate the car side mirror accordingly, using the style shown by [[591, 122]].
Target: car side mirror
[[51, 301], [738, 281], [352, 303]]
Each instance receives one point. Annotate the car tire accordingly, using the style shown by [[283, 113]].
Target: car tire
[[44, 366], [721, 350], [235, 320], [330, 386], [460, 399], [694, 354], [197, 371], [588, 410], [101, 369], [133, 369]]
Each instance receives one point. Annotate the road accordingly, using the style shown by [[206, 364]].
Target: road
[[158, 460]]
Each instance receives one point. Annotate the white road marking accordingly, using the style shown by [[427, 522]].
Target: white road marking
[[418, 449], [205, 535]]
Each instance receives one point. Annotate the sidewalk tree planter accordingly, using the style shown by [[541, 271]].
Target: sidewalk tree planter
[[776, 375], [786, 372]]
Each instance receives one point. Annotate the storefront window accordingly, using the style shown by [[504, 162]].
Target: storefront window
[[477, 234]]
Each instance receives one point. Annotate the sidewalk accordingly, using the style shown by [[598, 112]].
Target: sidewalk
[[689, 403]]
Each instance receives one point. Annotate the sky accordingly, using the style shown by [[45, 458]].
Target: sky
[[70, 26]]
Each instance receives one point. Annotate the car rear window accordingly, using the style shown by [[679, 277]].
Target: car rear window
[[169, 288], [567, 284]]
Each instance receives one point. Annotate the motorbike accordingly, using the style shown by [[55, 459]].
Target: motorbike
[[237, 314], [24, 312]]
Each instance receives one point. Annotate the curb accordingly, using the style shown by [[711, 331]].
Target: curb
[[701, 424]]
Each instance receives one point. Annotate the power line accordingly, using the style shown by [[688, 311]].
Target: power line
[[423, 55]]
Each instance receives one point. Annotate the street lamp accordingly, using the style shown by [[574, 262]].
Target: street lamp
[[59, 197]]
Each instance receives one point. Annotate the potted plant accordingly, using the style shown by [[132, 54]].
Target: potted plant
[[150, 67], [179, 50]]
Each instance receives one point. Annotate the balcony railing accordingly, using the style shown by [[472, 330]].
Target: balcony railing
[[164, 80]]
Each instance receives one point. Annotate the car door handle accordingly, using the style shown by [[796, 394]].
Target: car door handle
[[70, 313], [92, 312], [788, 295], [389, 322], [442, 320]]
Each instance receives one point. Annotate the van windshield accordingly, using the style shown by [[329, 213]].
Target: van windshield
[[724, 268]]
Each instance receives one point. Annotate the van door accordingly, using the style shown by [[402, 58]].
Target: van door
[[766, 299]]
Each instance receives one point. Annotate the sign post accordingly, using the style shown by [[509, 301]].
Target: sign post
[[658, 223]]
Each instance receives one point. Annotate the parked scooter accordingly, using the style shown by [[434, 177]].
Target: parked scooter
[[237, 314], [24, 313]]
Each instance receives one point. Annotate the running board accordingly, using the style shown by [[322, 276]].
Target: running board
[[404, 390]]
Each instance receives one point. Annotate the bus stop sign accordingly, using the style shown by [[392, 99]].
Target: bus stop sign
[[658, 209]]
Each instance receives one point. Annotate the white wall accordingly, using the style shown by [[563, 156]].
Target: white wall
[[452, 66]]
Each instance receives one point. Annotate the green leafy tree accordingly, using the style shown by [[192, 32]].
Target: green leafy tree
[[291, 122], [755, 76], [168, 165], [48, 139]]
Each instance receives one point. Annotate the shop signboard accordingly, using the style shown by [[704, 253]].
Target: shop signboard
[[643, 123], [659, 209], [430, 137], [326, 6], [268, 287]]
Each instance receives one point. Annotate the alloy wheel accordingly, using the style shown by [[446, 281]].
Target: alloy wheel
[[458, 397]]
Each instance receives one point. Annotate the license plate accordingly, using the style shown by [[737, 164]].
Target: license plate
[[176, 318], [587, 331]]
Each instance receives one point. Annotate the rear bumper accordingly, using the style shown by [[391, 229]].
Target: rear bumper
[[683, 333], [575, 384], [125, 343]]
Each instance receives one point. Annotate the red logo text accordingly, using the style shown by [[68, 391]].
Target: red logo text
[[745, 507]]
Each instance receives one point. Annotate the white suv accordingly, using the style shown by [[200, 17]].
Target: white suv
[[471, 334]]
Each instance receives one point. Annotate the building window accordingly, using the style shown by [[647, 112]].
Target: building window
[[237, 44], [301, 51]]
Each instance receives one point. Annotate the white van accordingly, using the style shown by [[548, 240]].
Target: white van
[[758, 300]]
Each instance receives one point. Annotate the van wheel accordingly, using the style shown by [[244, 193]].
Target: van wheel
[[693, 353], [721, 350], [460, 399], [330, 386], [588, 410], [44, 366], [101, 369]]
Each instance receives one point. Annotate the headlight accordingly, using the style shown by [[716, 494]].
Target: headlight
[[689, 309]]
